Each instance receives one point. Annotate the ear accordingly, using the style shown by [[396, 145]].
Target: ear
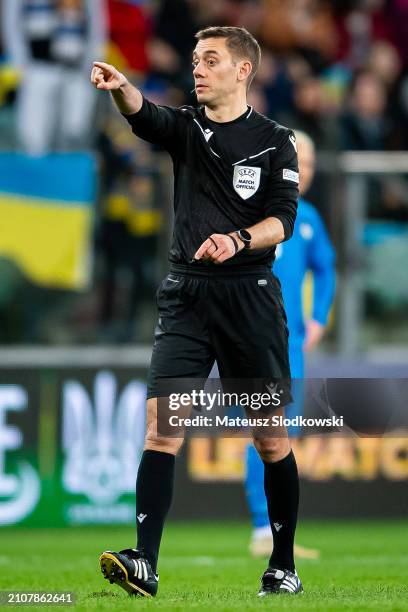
[[244, 70]]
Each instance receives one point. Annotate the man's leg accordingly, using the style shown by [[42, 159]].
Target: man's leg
[[135, 570], [281, 486], [182, 349], [261, 540], [154, 486]]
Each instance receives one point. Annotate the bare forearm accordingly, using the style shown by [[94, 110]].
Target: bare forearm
[[127, 98], [266, 233], [220, 247]]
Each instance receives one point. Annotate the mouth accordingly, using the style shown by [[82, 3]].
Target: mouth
[[201, 87]]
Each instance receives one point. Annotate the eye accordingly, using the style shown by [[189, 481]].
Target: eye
[[211, 62], [194, 63]]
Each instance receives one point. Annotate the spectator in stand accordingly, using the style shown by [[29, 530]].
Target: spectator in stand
[[276, 83], [365, 127], [53, 42], [397, 13], [127, 232], [304, 25], [172, 42], [358, 26], [384, 61], [386, 64], [311, 113]]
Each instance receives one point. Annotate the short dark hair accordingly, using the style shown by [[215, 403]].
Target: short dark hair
[[239, 41]]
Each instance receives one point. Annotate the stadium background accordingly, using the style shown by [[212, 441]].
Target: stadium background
[[85, 218]]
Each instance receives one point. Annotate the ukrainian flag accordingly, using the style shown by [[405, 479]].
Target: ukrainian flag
[[46, 215]]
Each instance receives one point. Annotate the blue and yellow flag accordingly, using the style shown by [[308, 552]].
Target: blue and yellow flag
[[46, 214]]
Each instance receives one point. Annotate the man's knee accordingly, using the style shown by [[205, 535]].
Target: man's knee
[[164, 445], [154, 438], [272, 449]]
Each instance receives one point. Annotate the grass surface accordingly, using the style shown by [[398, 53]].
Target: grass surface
[[363, 566]]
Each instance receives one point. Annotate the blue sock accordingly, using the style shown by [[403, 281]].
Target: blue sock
[[254, 488]]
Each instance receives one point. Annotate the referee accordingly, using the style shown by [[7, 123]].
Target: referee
[[235, 198]]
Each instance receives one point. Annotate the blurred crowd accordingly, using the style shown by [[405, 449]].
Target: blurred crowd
[[337, 69]]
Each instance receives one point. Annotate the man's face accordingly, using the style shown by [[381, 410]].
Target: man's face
[[216, 74], [306, 160]]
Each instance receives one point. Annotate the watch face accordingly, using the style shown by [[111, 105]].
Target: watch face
[[245, 235]]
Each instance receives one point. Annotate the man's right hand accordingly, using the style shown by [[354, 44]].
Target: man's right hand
[[128, 99], [104, 76]]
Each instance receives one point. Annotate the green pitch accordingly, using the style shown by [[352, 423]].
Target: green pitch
[[363, 566]]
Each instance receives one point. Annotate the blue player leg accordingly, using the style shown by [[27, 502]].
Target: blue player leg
[[254, 488], [297, 369]]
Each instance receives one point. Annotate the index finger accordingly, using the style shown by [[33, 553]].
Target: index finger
[[206, 245], [103, 65]]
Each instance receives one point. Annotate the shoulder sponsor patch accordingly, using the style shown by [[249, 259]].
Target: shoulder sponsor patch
[[291, 175], [246, 180]]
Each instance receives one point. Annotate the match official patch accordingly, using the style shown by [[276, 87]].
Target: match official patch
[[290, 175], [246, 180]]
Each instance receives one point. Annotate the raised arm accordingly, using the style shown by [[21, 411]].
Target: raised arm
[[128, 98], [160, 125]]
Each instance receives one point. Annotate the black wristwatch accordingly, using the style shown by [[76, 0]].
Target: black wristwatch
[[246, 238]]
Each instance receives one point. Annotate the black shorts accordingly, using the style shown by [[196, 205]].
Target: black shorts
[[207, 314]]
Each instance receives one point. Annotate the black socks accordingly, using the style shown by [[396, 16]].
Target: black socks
[[281, 483], [154, 492]]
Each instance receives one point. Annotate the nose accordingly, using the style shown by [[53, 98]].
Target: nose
[[198, 70]]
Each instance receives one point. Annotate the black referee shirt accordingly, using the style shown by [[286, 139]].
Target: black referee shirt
[[227, 176]]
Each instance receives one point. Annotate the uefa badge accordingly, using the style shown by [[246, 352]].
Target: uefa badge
[[246, 180]]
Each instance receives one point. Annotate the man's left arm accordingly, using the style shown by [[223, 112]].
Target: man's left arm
[[281, 198], [321, 261], [267, 233], [220, 247]]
